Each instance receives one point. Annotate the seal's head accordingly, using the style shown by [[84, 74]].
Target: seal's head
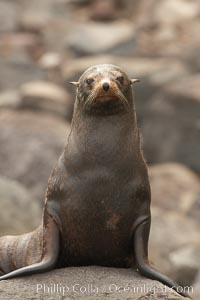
[[104, 89]]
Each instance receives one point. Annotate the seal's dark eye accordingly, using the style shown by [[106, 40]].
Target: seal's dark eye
[[89, 81], [120, 79]]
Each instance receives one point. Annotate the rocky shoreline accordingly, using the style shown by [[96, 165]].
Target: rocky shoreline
[[44, 44]]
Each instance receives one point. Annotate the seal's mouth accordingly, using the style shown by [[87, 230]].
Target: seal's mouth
[[101, 96]]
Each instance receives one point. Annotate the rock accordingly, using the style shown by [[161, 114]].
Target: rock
[[174, 187], [34, 22], [30, 147], [185, 89], [15, 73], [8, 15], [78, 2], [166, 27], [35, 15], [10, 99], [194, 211], [196, 287], [140, 12], [176, 11], [101, 38], [48, 18], [170, 124], [19, 211], [103, 10], [17, 54], [171, 232], [50, 61], [86, 283], [186, 262], [19, 47], [45, 96], [174, 191]]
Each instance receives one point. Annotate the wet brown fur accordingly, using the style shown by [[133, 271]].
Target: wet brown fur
[[97, 208]]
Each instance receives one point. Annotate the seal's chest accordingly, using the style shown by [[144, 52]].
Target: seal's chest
[[102, 194], [90, 225], [98, 211]]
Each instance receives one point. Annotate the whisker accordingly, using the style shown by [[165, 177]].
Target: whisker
[[122, 97], [91, 97]]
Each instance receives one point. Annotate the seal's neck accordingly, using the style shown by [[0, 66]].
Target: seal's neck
[[98, 140]]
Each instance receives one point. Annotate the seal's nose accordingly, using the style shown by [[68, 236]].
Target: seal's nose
[[106, 86]]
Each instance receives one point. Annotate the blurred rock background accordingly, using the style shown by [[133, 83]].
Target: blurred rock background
[[44, 44]]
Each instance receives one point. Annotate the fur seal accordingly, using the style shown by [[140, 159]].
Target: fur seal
[[97, 207]]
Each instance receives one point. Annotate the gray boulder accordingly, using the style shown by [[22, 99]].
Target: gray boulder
[[167, 27], [8, 15], [86, 283], [10, 99], [30, 147], [19, 211], [115, 37], [174, 187], [45, 96], [14, 72], [170, 124], [197, 288], [174, 239], [172, 232]]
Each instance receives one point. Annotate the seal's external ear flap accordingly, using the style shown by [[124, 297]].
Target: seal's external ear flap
[[134, 80], [76, 83]]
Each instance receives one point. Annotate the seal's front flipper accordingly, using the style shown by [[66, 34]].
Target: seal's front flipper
[[141, 236], [49, 257]]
